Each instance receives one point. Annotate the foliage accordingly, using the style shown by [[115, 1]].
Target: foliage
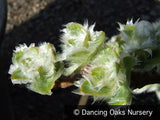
[[105, 66], [36, 66]]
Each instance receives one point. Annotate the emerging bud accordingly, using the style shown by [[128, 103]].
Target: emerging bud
[[36, 66], [80, 44], [106, 78]]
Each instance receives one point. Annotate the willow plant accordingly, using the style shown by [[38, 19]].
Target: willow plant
[[104, 64]]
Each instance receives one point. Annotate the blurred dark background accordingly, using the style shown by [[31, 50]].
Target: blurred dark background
[[36, 21]]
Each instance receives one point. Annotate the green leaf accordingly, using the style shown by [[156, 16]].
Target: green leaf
[[18, 75], [122, 97], [18, 56], [101, 37], [88, 89], [75, 28], [87, 38], [26, 61], [43, 86], [98, 73], [129, 31], [79, 56], [71, 41]]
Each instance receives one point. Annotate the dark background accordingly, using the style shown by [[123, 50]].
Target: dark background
[[36, 21]]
